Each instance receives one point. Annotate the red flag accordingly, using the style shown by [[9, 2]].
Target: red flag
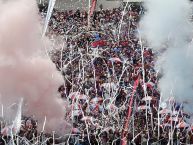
[[99, 43], [93, 7], [126, 123]]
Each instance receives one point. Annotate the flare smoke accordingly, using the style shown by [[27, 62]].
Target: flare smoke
[[25, 71], [166, 24]]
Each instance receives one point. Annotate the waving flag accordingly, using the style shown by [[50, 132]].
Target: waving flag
[[75, 130], [150, 85], [77, 95], [99, 43], [14, 128], [142, 107], [115, 59], [147, 98], [93, 7], [96, 100], [97, 37], [182, 125], [126, 123]]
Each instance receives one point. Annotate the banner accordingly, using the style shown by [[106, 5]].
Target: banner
[[93, 7], [99, 43], [126, 123]]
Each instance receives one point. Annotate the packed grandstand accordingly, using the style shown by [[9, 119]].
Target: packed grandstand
[[110, 83]]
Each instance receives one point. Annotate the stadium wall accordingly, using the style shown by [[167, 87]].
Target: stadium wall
[[82, 4]]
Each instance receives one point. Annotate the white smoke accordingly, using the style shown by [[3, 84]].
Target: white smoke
[[25, 69], [166, 20], [167, 25]]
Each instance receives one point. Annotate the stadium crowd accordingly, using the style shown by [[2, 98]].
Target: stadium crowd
[[101, 57], [101, 61]]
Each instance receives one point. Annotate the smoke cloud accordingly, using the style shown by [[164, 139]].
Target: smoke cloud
[[25, 69], [166, 25]]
